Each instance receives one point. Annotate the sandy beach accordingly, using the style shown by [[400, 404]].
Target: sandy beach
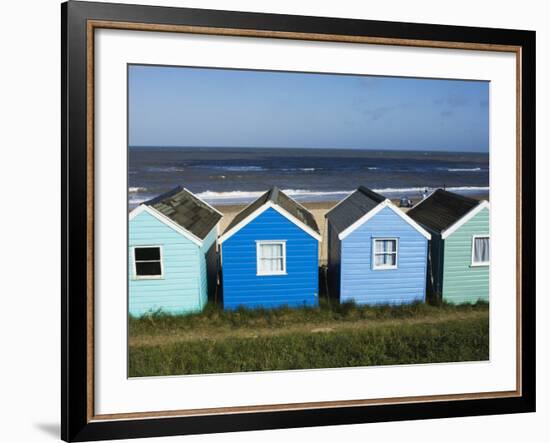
[[318, 209]]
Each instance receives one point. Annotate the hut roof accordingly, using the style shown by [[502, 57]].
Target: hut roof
[[187, 210], [353, 207], [279, 198], [441, 210]]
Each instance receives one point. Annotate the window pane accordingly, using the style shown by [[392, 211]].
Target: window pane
[[385, 245], [148, 268], [271, 265], [385, 260], [271, 250], [147, 254], [265, 266], [270, 258], [481, 250]]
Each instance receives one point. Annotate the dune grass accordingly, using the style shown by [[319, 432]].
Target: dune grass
[[157, 323], [328, 336]]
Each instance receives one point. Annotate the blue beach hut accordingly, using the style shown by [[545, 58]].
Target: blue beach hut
[[172, 253], [269, 255], [376, 253]]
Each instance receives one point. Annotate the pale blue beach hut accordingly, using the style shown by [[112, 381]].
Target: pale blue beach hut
[[269, 255], [376, 253], [172, 254]]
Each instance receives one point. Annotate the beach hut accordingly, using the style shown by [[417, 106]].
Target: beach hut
[[172, 253], [459, 248], [376, 253], [269, 255]]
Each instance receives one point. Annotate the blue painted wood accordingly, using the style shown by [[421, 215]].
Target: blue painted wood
[[241, 285], [182, 289], [361, 283]]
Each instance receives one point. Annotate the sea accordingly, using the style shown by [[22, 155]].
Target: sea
[[239, 175]]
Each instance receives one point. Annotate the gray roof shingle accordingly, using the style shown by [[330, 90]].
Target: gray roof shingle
[[278, 197], [441, 210], [187, 210], [353, 207]]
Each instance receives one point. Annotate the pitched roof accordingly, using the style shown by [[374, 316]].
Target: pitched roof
[[353, 207], [279, 198], [441, 210], [187, 210]]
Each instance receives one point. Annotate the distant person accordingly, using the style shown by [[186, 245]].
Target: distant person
[[405, 202], [425, 194]]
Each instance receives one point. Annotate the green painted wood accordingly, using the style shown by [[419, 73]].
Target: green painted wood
[[462, 282]]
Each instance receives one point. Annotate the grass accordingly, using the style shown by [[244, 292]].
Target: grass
[[328, 336]]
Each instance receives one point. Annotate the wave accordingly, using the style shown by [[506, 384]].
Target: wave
[[457, 189], [299, 194], [253, 168], [166, 169], [463, 169], [136, 201], [299, 169], [229, 195], [234, 168], [468, 188], [242, 168], [136, 189], [310, 195], [305, 195]]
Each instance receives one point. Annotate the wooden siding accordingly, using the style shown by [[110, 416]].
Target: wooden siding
[[359, 282], [462, 282], [241, 285], [178, 291]]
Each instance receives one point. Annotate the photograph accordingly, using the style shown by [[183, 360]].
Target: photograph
[[282, 220]]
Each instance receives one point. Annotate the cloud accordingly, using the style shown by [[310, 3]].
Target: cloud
[[365, 107]]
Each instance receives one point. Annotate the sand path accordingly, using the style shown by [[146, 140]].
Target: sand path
[[222, 333]]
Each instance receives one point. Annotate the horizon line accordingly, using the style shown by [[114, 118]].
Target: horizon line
[[302, 148]]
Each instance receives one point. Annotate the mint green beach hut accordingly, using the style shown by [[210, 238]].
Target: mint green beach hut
[[459, 250], [172, 254]]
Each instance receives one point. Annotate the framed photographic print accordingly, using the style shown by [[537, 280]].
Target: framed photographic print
[[277, 221]]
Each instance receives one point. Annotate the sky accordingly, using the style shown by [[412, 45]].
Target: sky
[[201, 107]]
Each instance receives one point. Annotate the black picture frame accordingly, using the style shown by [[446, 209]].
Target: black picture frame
[[76, 424]]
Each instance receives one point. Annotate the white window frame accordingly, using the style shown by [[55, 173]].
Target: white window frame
[[259, 243], [148, 277], [373, 247], [485, 263]]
